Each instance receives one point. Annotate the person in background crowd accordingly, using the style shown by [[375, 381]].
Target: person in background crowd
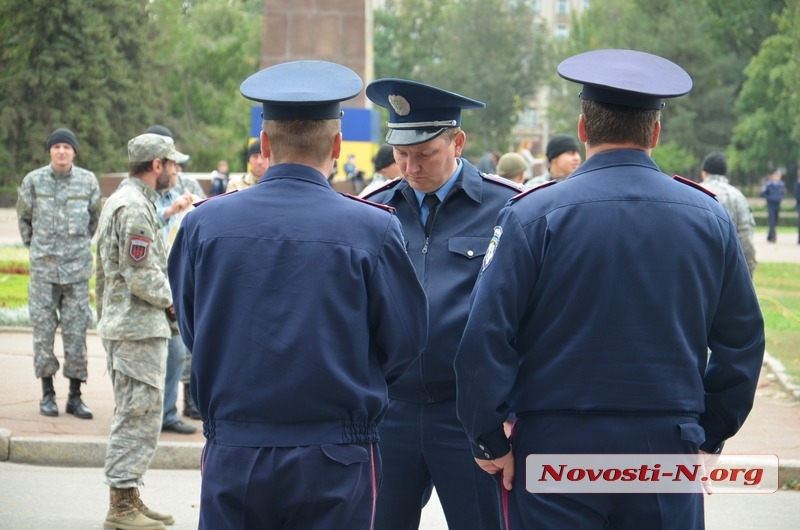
[[171, 205], [488, 162], [291, 413], [219, 179], [385, 169], [447, 209], [563, 157], [256, 164], [614, 314], [57, 211], [134, 305], [189, 191], [773, 191], [715, 167], [513, 167], [524, 149], [797, 206]]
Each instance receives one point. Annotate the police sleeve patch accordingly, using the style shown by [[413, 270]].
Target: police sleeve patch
[[487, 259]]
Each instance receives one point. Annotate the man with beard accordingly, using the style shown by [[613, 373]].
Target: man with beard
[[134, 306]]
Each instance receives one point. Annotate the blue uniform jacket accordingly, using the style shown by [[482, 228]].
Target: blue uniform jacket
[[604, 294], [299, 306], [447, 265]]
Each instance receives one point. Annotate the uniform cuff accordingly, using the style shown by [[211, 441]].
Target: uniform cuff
[[491, 445]]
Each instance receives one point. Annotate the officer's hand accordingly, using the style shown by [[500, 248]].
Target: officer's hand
[[503, 465]]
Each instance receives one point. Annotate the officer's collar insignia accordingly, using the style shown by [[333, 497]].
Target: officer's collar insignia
[[400, 104], [487, 259]]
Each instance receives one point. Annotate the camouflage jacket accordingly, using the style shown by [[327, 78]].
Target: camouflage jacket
[[735, 203], [131, 286], [57, 215]]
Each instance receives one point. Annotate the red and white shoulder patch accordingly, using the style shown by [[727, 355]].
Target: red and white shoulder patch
[[139, 248]]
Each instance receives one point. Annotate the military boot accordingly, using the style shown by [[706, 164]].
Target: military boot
[[189, 410], [164, 518], [123, 514], [47, 406], [75, 404]]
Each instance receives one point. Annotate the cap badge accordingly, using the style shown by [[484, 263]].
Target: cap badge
[[399, 104]]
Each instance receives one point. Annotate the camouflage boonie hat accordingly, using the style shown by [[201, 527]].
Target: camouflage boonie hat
[[149, 146]]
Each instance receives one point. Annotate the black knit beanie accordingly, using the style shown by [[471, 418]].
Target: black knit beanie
[[715, 163], [160, 130], [254, 149], [62, 136], [561, 143]]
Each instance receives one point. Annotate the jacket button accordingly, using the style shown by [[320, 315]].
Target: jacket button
[[470, 253]]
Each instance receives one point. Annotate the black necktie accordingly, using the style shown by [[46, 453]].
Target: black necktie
[[432, 202]]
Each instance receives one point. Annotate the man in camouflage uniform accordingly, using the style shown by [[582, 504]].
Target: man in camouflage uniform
[[715, 167], [256, 164], [135, 308], [58, 208]]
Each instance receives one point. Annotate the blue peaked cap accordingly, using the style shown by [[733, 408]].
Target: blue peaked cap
[[628, 78], [418, 112], [302, 90]]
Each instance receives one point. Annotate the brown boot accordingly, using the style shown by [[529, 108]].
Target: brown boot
[[123, 514], [164, 518]]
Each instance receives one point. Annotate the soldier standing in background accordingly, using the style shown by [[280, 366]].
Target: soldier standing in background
[[715, 167], [134, 304], [58, 208]]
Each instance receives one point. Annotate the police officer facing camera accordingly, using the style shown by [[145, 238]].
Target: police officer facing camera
[[291, 360], [598, 302], [448, 209]]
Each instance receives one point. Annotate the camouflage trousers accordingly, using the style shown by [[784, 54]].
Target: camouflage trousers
[[51, 304], [136, 425]]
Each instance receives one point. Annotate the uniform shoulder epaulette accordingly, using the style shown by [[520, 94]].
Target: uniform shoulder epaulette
[[201, 201], [502, 181], [389, 184], [531, 190], [386, 207], [694, 184]]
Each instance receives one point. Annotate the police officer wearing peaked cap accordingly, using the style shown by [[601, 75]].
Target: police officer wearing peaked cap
[[448, 209], [291, 357], [596, 309]]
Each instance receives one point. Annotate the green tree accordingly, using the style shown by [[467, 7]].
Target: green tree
[[768, 132], [82, 65], [449, 44], [206, 49]]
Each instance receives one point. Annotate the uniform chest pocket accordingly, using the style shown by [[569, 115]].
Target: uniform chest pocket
[[468, 246], [78, 215]]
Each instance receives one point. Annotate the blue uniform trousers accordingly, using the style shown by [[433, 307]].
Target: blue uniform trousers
[[598, 434], [423, 445], [317, 487]]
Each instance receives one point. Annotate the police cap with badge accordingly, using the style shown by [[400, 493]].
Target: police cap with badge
[[418, 112], [626, 78], [302, 90]]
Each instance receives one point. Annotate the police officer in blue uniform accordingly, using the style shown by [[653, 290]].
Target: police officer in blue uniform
[[300, 306], [447, 208], [598, 303]]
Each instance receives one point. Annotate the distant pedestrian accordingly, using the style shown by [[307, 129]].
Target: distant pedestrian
[[715, 167], [513, 167], [797, 206], [219, 179], [563, 157], [134, 304], [773, 191], [58, 209], [257, 164]]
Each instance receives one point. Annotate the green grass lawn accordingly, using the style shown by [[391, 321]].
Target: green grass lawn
[[777, 286]]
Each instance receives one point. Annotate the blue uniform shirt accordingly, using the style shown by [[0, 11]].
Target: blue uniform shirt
[[604, 294], [447, 264], [299, 305]]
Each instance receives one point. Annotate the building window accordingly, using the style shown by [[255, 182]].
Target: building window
[[586, 4], [561, 31], [563, 7], [528, 118]]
